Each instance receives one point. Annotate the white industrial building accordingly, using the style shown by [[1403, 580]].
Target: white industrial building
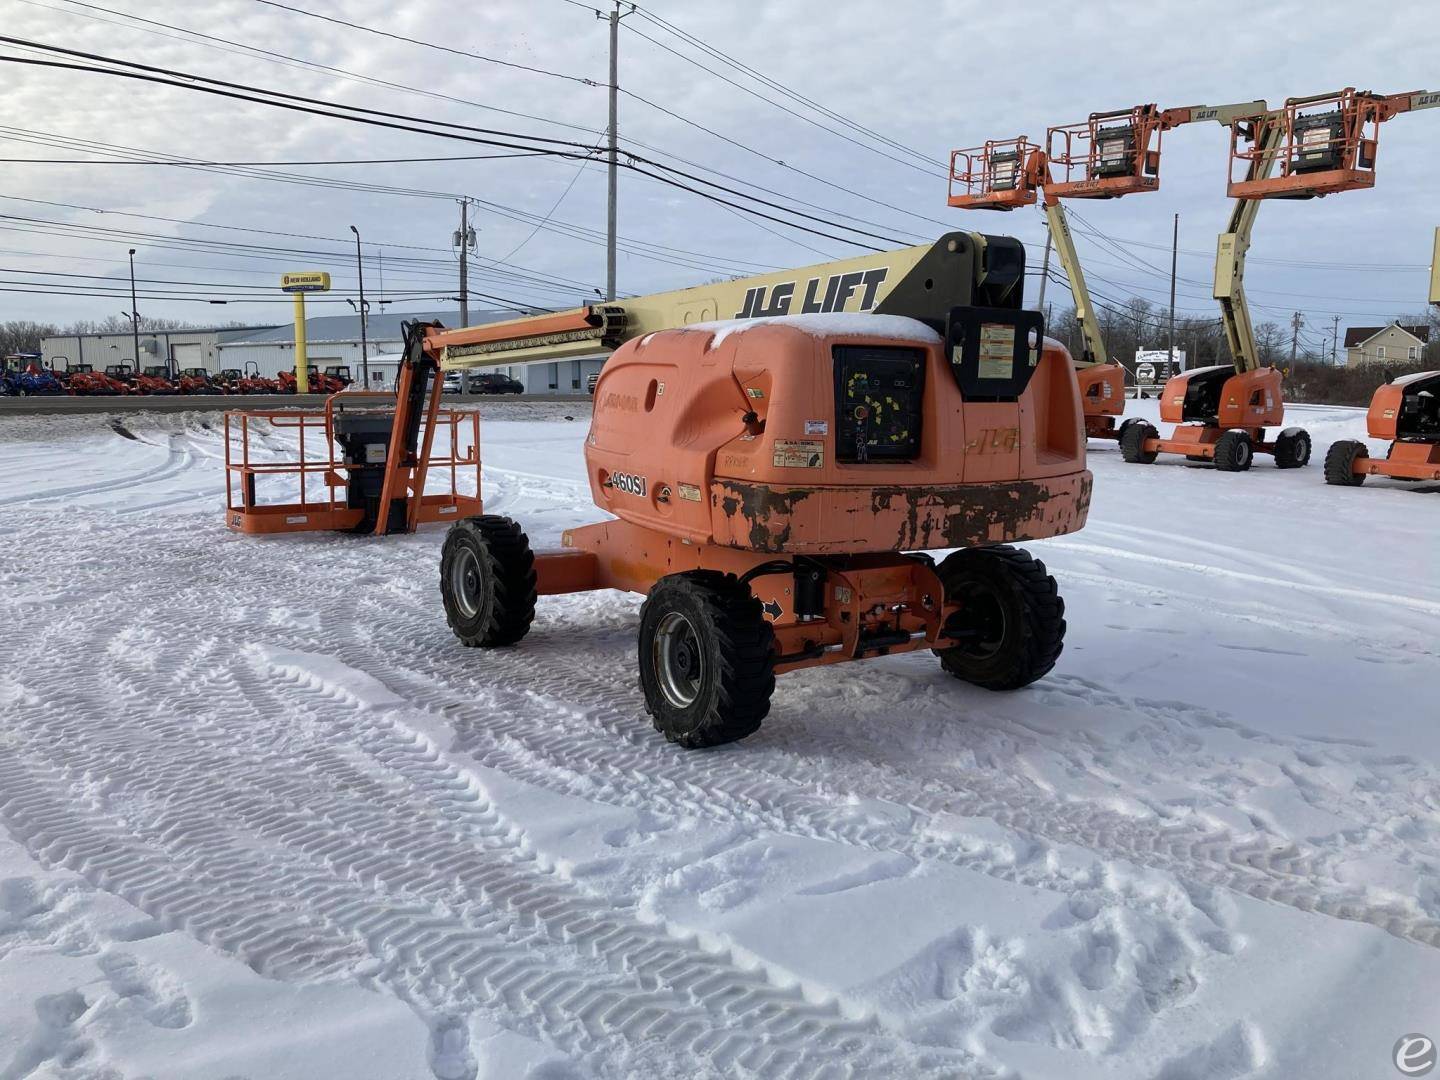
[[330, 341], [179, 348]]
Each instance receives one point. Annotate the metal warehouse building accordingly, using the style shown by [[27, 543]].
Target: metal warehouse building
[[182, 348], [330, 340]]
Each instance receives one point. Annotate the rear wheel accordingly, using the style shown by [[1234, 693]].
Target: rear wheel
[[1132, 442], [1010, 628], [1234, 452], [1292, 449], [487, 581], [707, 665], [1340, 463]]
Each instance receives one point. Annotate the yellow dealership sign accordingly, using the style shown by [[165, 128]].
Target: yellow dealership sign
[[307, 281], [299, 284]]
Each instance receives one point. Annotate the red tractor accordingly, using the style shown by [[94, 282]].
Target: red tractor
[[82, 380], [198, 381], [319, 383], [155, 380]]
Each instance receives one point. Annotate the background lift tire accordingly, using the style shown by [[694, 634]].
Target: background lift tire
[[1292, 448], [1234, 451], [706, 663], [1132, 442], [1011, 612], [487, 581], [1340, 461]]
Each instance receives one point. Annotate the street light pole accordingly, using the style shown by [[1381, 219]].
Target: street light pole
[[134, 313], [364, 344]]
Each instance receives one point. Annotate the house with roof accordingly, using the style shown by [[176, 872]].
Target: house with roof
[[1389, 344]]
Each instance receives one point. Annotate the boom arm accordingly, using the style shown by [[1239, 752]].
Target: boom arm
[[1435, 272], [1233, 245], [925, 282], [1094, 340]]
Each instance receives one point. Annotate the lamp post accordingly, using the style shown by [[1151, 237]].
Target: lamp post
[[364, 344], [134, 313]]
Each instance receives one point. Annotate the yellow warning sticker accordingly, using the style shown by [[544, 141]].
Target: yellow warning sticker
[[799, 453], [997, 351]]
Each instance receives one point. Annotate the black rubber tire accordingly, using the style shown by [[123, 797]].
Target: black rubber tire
[[1132, 442], [1234, 452], [1015, 603], [1340, 461], [1292, 449], [733, 665], [487, 581]]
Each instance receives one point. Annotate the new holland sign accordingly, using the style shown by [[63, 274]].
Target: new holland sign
[[309, 281]]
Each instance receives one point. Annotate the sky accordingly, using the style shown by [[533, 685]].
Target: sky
[[929, 76]]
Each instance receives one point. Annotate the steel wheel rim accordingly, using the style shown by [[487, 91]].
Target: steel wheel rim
[[465, 582], [678, 660]]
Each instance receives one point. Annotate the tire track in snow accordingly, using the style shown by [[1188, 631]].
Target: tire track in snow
[[343, 844], [788, 793]]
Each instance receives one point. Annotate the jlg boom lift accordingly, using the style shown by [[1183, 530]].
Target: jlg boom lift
[[774, 477], [1406, 413], [1322, 144], [1106, 156]]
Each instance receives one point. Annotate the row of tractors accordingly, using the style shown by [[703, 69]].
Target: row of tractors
[[82, 380]]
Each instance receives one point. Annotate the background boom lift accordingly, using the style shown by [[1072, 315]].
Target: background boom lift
[[1107, 156], [1406, 412]]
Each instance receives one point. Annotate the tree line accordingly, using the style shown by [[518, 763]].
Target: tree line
[[24, 336]]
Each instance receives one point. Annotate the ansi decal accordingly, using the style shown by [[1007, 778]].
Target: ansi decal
[[628, 483], [833, 295]]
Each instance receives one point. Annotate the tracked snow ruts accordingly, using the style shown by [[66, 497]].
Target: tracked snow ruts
[[1280, 873], [475, 906]]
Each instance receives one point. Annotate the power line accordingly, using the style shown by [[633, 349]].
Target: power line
[[429, 44], [276, 99]]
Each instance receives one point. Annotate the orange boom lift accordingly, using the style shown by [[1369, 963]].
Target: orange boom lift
[[1322, 144], [1107, 156], [1406, 413], [773, 480]]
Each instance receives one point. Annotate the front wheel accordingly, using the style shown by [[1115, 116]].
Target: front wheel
[[707, 665], [487, 581], [1234, 451], [1132, 442], [1292, 449], [1340, 463], [1010, 628]]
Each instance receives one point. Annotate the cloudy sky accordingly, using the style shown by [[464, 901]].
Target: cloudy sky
[[917, 78]]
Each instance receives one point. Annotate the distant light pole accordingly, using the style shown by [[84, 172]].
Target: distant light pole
[[134, 313], [364, 343]]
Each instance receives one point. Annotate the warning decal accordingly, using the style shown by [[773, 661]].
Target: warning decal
[[799, 453]]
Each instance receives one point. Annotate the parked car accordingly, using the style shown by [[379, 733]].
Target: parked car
[[492, 382], [452, 384]]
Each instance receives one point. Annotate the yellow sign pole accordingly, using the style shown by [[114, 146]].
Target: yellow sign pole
[[302, 361], [298, 285]]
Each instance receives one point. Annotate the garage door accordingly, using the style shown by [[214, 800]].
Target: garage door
[[188, 356]]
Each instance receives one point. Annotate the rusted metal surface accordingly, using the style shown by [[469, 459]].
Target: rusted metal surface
[[898, 518]]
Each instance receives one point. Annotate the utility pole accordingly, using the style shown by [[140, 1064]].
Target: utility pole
[[1170, 364], [614, 18], [1296, 321], [134, 313], [465, 241], [364, 343], [1335, 340]]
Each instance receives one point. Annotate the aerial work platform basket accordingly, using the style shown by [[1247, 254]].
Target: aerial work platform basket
[[1001, 175], [1109, 155], [376, 459]]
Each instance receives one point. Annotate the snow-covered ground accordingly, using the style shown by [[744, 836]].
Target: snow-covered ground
[[263, 817]]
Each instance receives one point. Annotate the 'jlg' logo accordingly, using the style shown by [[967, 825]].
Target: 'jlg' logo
[[631, 485], [994, 441]]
